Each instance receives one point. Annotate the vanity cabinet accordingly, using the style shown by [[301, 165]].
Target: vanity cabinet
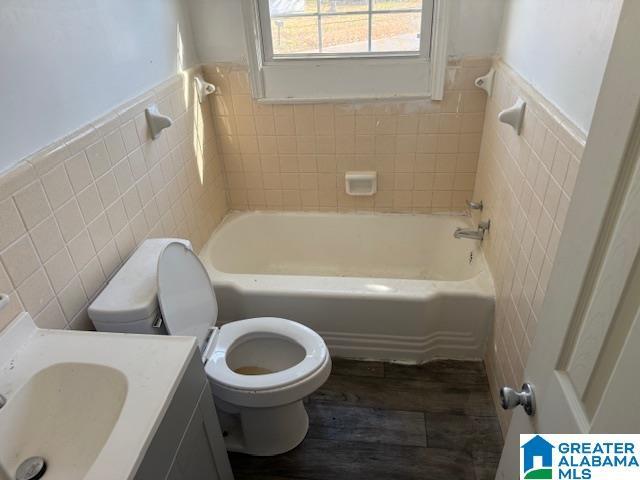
[[188, 444]]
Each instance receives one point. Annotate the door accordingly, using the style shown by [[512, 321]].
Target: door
[[586, 355]]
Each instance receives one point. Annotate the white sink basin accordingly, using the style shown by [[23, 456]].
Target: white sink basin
[[88, 403], [64, 413]]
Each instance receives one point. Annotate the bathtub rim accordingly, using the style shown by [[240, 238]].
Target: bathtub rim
[[480, 285]]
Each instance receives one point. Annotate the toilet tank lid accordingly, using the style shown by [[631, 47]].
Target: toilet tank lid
[[131, 295]]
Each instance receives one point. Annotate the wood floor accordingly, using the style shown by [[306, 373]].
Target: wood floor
[[374, 420]]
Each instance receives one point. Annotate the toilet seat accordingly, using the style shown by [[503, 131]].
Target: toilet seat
[[189, 307], [230, 334]]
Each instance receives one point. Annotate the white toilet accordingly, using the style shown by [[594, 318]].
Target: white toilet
[[259, 369]]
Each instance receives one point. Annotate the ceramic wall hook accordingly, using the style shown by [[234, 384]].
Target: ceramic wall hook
[[157, 122], [513, 116], [203, 88], [486, 81]]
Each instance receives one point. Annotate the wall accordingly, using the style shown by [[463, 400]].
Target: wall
[[293, 157], [475, 26], [561, 48], [73, 212], [217, 26], [218, 30], [66, 62], [526, 183]]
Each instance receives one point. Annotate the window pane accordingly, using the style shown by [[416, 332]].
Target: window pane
[[395, 32], [345, 34], [338, 6], [292, 7], [294, 35], [397, 4]]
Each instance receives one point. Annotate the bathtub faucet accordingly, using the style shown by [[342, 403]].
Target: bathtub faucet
[[473, 234]]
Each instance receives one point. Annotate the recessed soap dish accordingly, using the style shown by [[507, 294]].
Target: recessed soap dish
[[361, 184]]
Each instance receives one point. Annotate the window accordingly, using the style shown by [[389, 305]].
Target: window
[[338, 28], [326, 50]]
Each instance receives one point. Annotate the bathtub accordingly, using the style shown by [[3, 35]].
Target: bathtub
[[375, 286]]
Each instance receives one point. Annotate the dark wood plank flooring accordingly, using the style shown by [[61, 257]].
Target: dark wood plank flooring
[[374, 420]]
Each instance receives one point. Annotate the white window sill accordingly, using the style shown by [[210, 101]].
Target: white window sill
[[341, 99], [312, 80]]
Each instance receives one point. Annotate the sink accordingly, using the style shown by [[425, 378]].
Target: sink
[[89, 403], [65, 414]]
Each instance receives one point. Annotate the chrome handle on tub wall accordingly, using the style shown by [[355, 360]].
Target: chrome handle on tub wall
[[475, 205], [510, 398]]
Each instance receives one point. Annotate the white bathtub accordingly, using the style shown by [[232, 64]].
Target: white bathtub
[[376, 286]]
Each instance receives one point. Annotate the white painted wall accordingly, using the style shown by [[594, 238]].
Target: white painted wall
[[217, 25], [561, 47], [64, 63], [218, 28], [475, 26]]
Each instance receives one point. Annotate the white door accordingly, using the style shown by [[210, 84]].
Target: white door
[[585, 361]]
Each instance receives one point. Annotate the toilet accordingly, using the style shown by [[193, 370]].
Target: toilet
[[259, 369]]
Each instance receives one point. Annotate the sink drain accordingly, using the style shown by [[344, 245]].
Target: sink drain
[[31, 469]]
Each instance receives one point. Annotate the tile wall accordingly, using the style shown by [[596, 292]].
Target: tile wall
[[526, 183], [72, 213], [293, 157]]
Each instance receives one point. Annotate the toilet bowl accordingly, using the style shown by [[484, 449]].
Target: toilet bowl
[[259, 369]]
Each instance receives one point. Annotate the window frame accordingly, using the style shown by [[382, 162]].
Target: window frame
[[425, 73], [426, 23]]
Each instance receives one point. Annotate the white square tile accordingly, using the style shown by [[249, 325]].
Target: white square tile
[[109, 259], [90, 204], [117, 216], [20, 260], [125, 243], [98, 158], [51, 316], [130, 136], [72, 299], [108, 189], [35, 292], [151, 213], [145, 191], [157, 179], [47, 239], [69, 219], [115, 146], [131, 202], [57, 186], [124, 177], [60, 270], [137, 163], [79, 172], [92, 278], [11, 223], [81, 250], [32, 204], [139, 227], [100, 232]]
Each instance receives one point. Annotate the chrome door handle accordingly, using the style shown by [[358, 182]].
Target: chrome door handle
[[510, 398]]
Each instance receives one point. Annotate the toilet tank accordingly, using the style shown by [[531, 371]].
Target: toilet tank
[[129, 302]]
